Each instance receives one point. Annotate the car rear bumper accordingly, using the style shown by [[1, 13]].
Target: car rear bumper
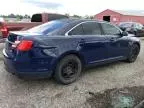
[[19, 68]]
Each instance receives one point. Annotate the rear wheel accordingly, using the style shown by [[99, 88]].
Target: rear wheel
[[133, 53], [68, 69]]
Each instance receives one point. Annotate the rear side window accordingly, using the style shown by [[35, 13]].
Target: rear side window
[[91, 28], [77, 31], [55, 17], [110, 29], [88, 28], [36, 18]]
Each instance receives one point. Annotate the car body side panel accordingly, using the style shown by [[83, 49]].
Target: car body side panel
[[90, 47]]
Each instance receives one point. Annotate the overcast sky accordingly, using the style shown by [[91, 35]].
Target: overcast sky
[[79, 7]]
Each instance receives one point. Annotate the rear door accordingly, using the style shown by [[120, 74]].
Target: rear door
[[117, 44], [92, 44]]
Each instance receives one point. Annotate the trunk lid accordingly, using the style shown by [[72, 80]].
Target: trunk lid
[[15, 36]]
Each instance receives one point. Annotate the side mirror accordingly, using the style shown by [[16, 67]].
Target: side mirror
[[124, 33]]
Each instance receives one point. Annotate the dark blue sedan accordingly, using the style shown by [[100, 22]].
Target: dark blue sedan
[[61, 48]]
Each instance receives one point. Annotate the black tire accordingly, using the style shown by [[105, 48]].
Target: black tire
[[68, 69], [133, 53]]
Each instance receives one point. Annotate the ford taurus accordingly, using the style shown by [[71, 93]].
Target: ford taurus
[[61, 48]]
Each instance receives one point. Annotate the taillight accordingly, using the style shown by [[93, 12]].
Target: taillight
[[4, 31], [24, 45]]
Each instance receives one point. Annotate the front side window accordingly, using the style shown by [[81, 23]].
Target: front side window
[[110, 29]]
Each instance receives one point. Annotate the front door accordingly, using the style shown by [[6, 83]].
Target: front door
[[117, 45], [94, 48]]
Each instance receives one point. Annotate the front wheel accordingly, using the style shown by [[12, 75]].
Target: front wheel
[[68, 69], [133, 53]]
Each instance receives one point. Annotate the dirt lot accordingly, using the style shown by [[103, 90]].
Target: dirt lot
[[18, 93]]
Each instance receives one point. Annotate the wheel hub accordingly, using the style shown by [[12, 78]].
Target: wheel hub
[[69, 70]]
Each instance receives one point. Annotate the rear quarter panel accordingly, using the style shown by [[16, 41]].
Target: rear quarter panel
[[59, 46], [61, 43]]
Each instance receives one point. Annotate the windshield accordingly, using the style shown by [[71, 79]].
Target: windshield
[[47, 27]]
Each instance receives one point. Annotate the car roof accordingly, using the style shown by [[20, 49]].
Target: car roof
[[70, 23], [74, 20]]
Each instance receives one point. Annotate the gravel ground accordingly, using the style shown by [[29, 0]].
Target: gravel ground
[[18, 93]]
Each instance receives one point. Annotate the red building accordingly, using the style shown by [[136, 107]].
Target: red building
[[116, 16]]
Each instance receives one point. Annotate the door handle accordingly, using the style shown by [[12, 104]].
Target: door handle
[[112, 39]]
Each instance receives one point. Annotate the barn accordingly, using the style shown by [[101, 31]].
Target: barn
[[117, 16]]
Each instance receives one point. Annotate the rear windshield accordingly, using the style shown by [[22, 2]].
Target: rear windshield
[[47, 27], [126, 25], [36, 18], [55, 17]]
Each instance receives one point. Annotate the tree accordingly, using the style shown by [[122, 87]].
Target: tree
[[67, 14], [11, 15], [26, 16], [76, 16], [88, 17], [15, 16]]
